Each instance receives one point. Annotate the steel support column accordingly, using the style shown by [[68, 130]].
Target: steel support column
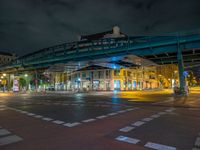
[[181, 70]]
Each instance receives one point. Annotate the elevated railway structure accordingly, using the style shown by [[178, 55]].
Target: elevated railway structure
[[181, 48]]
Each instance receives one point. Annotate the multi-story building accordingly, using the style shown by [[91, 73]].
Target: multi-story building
[[112, 79], [6, 57]]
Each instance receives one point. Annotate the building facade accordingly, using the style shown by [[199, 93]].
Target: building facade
[[106, 79], [6, 57]]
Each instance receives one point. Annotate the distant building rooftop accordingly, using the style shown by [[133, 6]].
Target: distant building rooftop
[[114, 33], [6, 53]]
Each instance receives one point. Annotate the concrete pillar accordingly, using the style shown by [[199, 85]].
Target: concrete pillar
[[181, 70]]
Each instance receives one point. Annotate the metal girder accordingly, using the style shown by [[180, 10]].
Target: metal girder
[[81, 51]]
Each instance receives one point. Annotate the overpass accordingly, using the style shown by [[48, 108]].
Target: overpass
[[180, 48]]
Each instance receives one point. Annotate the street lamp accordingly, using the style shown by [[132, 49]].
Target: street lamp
[[4, 74]]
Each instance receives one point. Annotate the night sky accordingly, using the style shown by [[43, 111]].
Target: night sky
[[29, 25]]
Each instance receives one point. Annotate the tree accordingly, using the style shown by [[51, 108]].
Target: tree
[[22, 82]]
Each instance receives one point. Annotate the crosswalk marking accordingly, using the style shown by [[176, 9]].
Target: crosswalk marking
[[4, 132], [10, 139], [155, 116], [72, 124], [127, 139], [197, 142], [47, 119], [138, 123], [126, 129], [89, 120], [101, 117], [58, 122], [147, 119], [159, 146]]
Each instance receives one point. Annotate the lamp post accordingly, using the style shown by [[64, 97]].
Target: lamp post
[[3, 77]]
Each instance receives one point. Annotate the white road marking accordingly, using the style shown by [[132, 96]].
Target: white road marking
[[24, 112], [147, 119], [197, 142], [38, 116], [4, 132], [169, 110], [9, 139], [122, 111], [72, 124], [88, 120], [162, 113], [130, 109], [138, 123], [159, 146], [58, 122], [155, 116], [126, 129], [1, 109], [47, 119], [112, 114], [2, 106], [127, 139], [30, 114], [101, 117]]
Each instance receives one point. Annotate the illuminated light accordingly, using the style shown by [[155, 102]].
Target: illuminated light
[[1, 77], [169, 79], [79, 79], [4, 74], [0, 80], [115, 91], [159, 75], [26, 75]]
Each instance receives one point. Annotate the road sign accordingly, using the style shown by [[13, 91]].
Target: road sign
[[185, 73]]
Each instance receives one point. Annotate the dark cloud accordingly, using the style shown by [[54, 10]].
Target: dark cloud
[[28, 25]]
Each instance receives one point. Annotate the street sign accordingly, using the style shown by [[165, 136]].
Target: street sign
[[15, 85], [185, 73]]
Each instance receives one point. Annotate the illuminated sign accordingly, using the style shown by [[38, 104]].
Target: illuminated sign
[[15, 85]]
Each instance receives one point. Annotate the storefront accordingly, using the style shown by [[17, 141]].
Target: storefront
[[117, 85]]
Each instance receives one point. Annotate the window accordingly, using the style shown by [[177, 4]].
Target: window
[[116, 72], [124, 73], [107, 73], [128, 73], [83, 75]]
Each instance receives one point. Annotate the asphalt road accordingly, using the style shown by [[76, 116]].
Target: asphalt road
[[102, 120]]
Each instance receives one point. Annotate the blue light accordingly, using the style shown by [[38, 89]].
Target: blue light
[[115, 91]]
